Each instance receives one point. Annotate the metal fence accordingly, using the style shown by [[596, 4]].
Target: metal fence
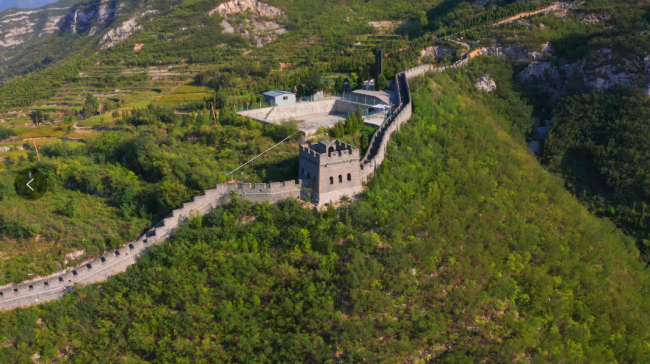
[[252, 106], [365, 100], [355, 98], [367, 114]]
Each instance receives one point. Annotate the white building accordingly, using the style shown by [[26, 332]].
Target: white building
[[279, 98]]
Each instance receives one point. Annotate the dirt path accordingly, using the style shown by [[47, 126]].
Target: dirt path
[[554, 7], [467, 47]]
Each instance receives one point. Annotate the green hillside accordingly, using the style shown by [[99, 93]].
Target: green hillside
[[463, 249]]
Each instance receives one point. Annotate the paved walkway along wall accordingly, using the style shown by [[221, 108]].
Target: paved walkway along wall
[[377, 148], [55, 286]]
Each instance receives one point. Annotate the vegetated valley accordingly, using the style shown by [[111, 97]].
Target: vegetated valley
[[464, 247]]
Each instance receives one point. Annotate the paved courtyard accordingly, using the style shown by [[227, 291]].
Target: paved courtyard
[[310, 124]]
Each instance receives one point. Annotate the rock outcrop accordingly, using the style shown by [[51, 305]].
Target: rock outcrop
[[260, 31], [437, 52], [256, 7], [599, 71], [515, 51], [20, 26], [486, 83], [119, 34], [93, 17]]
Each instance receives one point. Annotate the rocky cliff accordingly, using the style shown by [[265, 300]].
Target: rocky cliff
[[91, 18], [238, 6], [19, 26], [598, 71], [256, 26]]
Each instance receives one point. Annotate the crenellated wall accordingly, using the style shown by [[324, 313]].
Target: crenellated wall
[[56, 285], [116, 261], [377, 147]]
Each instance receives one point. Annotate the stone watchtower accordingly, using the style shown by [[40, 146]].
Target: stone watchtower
[[331, 170]]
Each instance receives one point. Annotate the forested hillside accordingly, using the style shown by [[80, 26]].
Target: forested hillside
[[465, 246], [462, 249]]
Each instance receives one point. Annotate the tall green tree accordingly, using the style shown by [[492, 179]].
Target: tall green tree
[[382, 83], [91, 106], [37, 117], [311, 82]]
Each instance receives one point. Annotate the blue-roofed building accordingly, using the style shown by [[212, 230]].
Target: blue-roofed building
[[279, 98]]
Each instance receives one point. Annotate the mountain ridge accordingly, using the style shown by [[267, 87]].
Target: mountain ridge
[[23, 4]]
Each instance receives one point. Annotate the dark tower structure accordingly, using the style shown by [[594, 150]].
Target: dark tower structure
[[379, 64]]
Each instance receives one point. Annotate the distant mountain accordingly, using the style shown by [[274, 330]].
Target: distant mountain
[[23, 4], [25, 34]]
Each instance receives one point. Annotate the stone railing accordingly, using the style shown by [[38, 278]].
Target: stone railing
[[377, 148], [56, 285]]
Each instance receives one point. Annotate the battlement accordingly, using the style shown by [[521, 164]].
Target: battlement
[[329, 169], [330, 151]]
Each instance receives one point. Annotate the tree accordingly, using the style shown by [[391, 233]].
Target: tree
[[6, 190], [172, 194], [364, 141], [382, 83], [338, 130], [5, 133], [201, 79], [90, 106], [311, 83], [338, 84], [37, 117], [359, 113], [71, 207], [352, 124]]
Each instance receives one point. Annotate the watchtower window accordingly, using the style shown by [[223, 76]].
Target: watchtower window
[[31, 287], [60, 279], [74, 272], [103, 260], [331, 180], [340, 179], [349, 177], [89, 266], [330, 151], [46, 284]]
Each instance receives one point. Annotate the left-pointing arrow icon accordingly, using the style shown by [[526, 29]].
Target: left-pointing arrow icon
[[30, 187]]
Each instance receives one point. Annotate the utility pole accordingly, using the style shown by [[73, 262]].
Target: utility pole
[[35, 147]]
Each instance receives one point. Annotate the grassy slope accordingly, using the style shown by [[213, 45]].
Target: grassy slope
[[483, 255]]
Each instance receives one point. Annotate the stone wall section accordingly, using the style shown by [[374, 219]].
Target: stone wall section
[[286, 112], [377, 147], [56, 285], [275, 114]]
